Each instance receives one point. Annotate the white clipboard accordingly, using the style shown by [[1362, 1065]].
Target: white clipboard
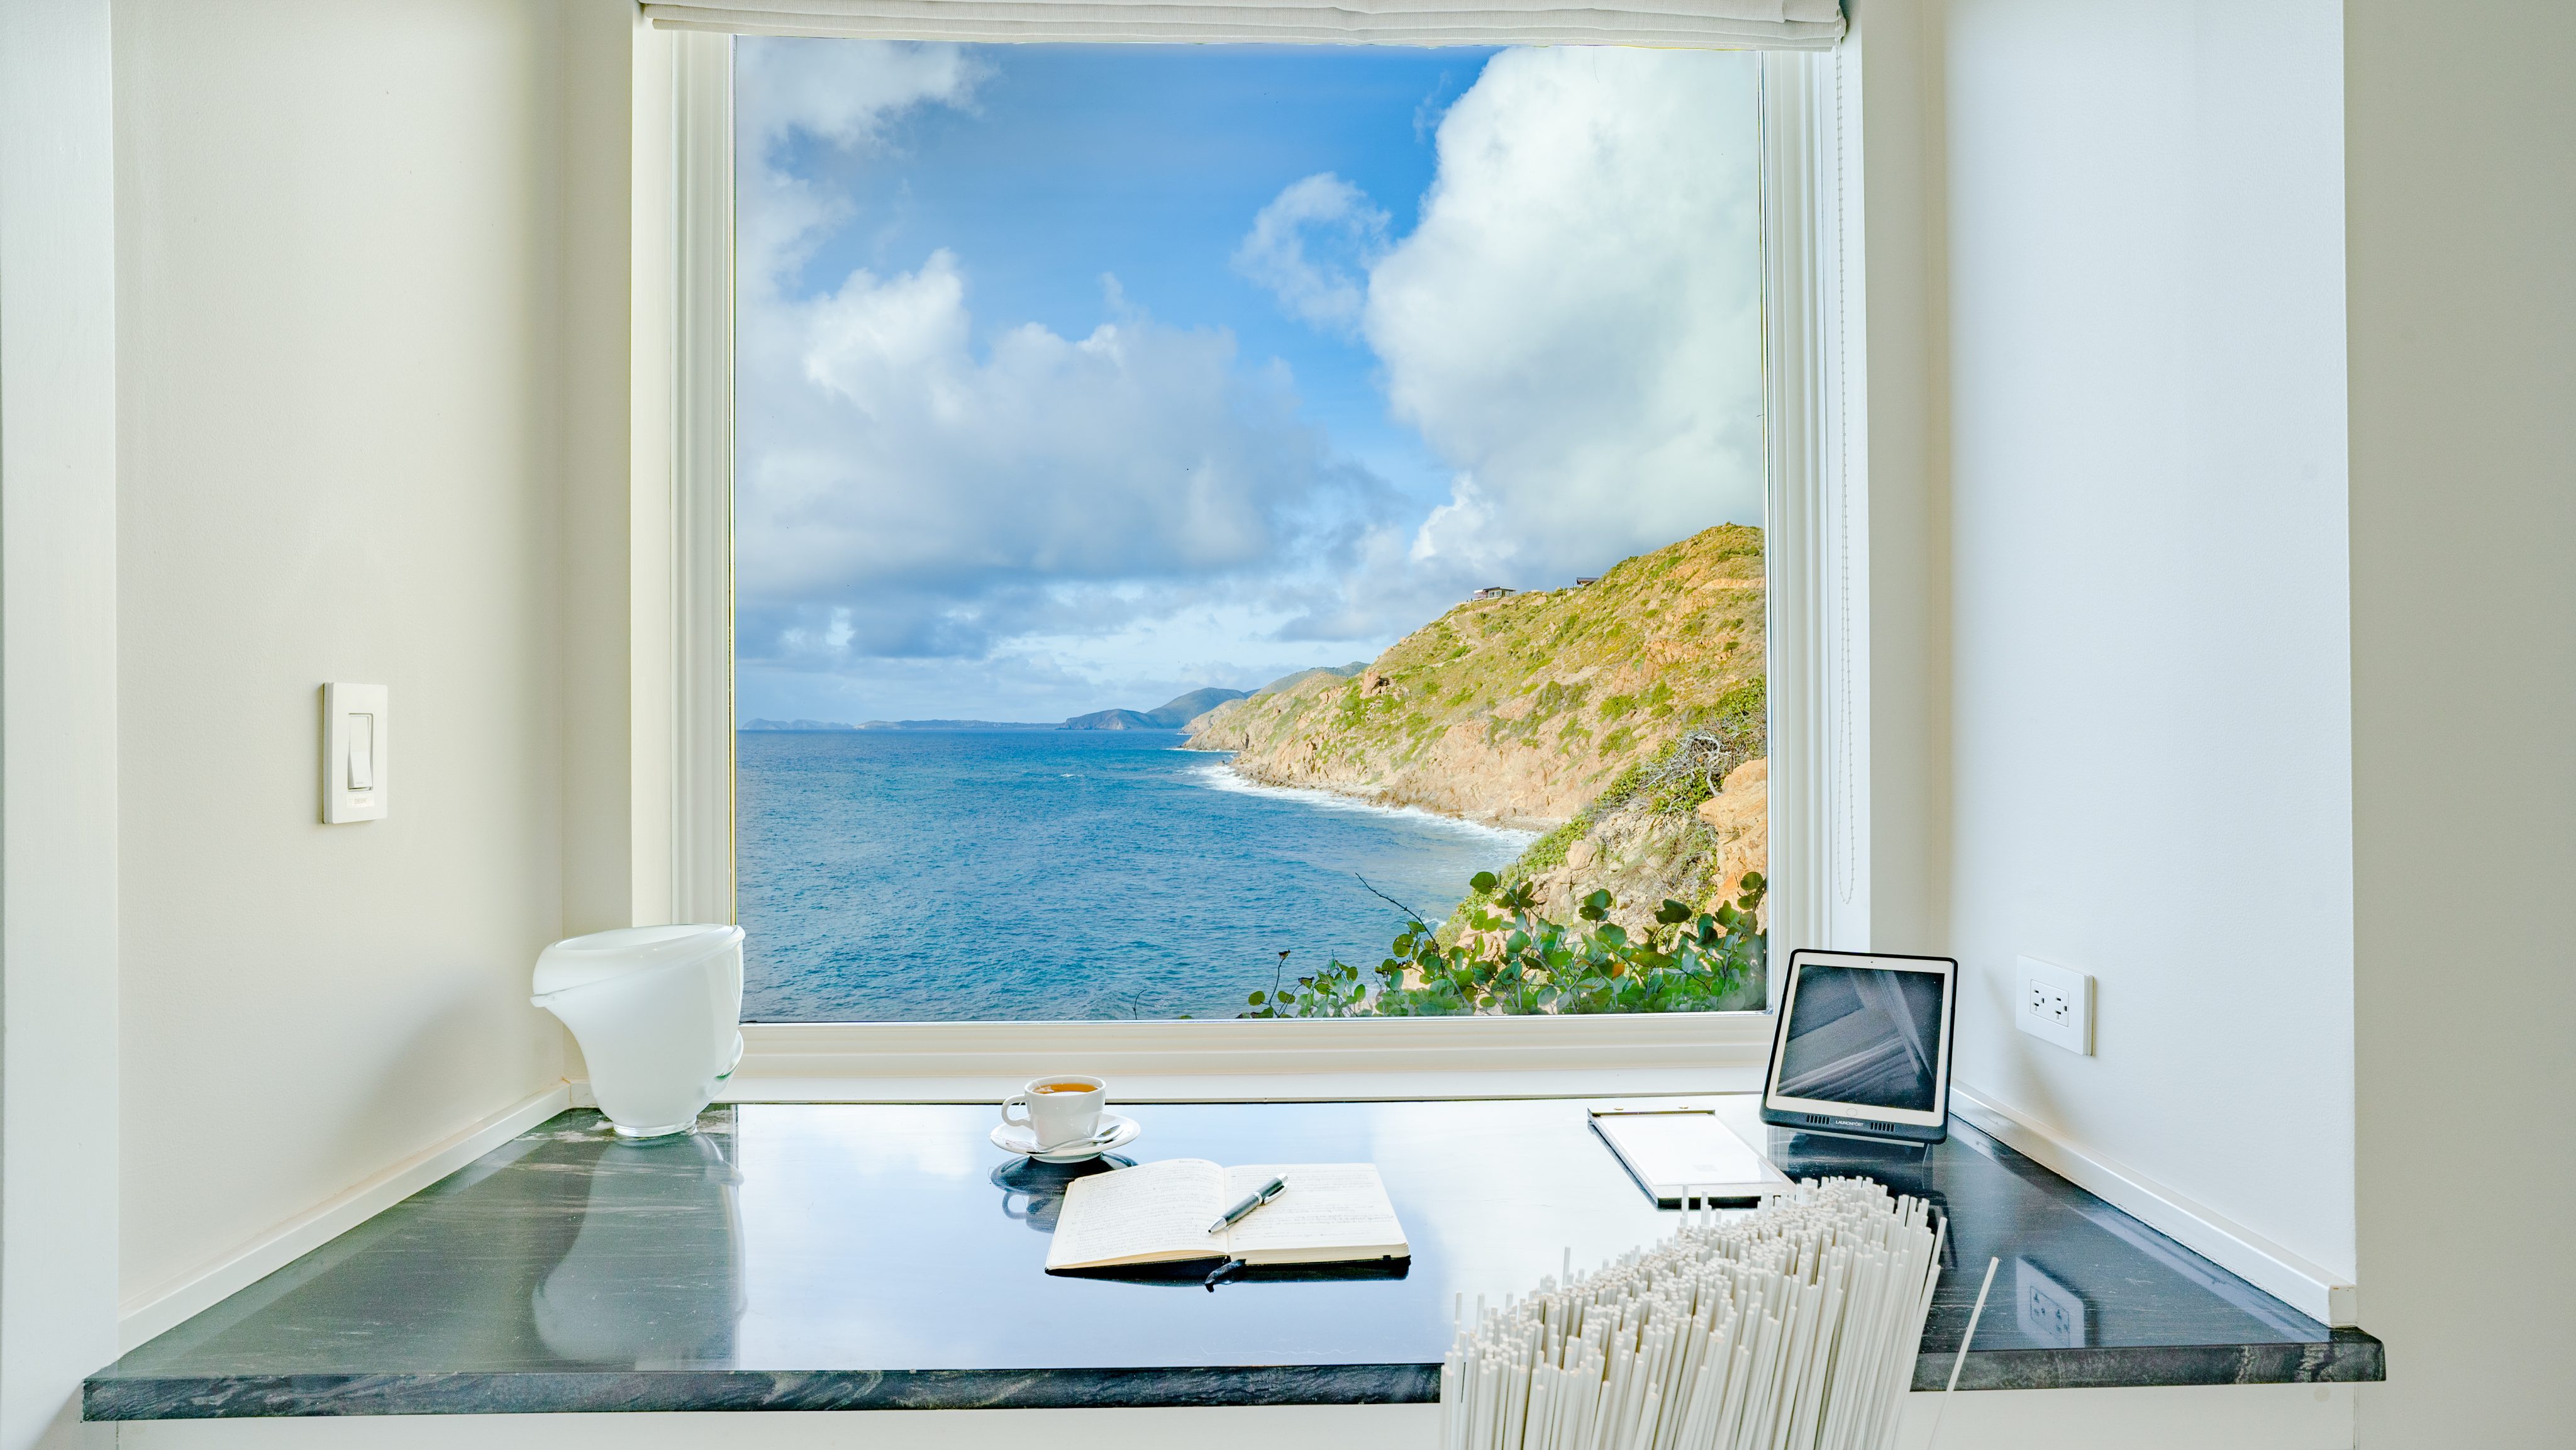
[[1680, 1154]]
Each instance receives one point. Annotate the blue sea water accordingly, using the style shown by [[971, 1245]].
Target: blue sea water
[[927, 875]]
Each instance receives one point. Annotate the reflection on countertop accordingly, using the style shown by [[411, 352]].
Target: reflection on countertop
[[865, 1256], [1033, 1192], [654, 1275]]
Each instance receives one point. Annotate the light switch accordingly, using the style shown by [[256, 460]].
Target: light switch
[[362, 751], [356, 753]]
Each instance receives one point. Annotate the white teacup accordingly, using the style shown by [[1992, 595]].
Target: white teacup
[[1059, 1111]]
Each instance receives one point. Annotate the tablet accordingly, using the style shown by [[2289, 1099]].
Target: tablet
[[1862, 1047]]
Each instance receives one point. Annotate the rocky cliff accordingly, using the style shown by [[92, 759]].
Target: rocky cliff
[[1625, 719], [1686, 826], [1521, 710]]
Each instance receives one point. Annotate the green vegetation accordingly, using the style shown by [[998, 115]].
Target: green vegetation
[[1512, 961], [1661, 793], [1629, 662], [1609, 718]]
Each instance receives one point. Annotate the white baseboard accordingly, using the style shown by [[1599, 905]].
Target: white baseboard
[[168, 1303], [2314, 1291]]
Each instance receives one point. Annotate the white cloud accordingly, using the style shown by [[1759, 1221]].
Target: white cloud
[[938, 499], [1326, 289], [841, 93], [1463, 532], [1574, 324], [938, 518], [846, 95], [910, 488]]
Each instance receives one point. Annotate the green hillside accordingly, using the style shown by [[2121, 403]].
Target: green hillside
[[1521, 710], [1625, 719]]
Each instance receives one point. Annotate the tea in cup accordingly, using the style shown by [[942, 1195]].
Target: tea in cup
[[1059, 1111]]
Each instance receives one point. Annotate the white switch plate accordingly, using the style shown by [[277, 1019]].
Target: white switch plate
[[2054, 1005], [353, 750]]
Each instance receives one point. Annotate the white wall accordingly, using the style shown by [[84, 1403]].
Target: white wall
[[1904, 425], [353, 260], [58, 605], [2140, 251], [337, 240], [2463, 322], [616, 316]]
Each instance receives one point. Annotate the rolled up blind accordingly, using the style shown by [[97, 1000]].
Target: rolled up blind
[[1704, 24]]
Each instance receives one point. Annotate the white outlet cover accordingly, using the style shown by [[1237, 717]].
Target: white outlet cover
[[2051, 1314], [2054, 1004]]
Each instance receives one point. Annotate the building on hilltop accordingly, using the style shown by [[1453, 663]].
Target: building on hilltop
[[1493, 591]]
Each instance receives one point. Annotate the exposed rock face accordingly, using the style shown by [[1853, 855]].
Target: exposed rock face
[[1740, 814], [1640, 858], [1646, 847], [1520, 711]]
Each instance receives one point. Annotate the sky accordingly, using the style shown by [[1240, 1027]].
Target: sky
[[1075, 377]]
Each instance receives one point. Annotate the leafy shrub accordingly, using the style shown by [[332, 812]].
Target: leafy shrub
[[1544, 854], [1513, 962]]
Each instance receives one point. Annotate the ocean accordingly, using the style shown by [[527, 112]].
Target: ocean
[[952, 875]]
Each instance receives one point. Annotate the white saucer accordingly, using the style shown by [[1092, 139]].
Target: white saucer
[[1115, 1133]]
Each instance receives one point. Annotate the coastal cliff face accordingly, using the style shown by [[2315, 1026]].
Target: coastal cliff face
[[1522, 711], [1625, 720]]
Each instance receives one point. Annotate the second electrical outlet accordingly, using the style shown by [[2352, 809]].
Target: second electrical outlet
[[2055, 1005]]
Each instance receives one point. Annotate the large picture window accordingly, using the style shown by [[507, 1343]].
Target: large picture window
[[1248, 530]]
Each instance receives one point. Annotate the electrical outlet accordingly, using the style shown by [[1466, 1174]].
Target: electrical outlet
[[2055, 1005], [2051, 1313]]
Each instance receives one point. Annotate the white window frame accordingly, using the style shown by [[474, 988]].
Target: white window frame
[[1817, 651]]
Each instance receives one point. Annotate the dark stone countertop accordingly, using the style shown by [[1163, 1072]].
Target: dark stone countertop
[[879, 1257]]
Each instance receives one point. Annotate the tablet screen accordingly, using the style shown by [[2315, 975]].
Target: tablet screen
[[1864, 1035]]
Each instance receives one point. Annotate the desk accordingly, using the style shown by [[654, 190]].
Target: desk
[[883, 1257]]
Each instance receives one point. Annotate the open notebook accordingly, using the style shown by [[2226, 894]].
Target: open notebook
[[1158, 1213]]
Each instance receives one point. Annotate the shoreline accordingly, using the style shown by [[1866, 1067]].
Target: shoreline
[[1220, 774]]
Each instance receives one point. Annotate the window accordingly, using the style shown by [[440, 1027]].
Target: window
[[1248, 531]]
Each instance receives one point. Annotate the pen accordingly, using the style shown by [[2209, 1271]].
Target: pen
[[1260, 1196]]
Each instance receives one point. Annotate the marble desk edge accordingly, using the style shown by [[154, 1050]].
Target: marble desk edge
[[2341, 1356], [2350, 1356]]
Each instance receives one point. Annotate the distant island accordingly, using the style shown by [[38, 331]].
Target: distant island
[[1172, 714], [1184, 711], [1178, 713], [897, 725]]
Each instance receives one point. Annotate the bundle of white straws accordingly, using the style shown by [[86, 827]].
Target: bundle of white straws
[[1792, 1326]]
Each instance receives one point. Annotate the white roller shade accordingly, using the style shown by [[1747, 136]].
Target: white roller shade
[[1717, 24]]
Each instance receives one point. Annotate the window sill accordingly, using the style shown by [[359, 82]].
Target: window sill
[[1240, 1060]]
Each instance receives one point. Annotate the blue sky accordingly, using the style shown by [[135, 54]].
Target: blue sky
[[1145, 163], [1073, 377]]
